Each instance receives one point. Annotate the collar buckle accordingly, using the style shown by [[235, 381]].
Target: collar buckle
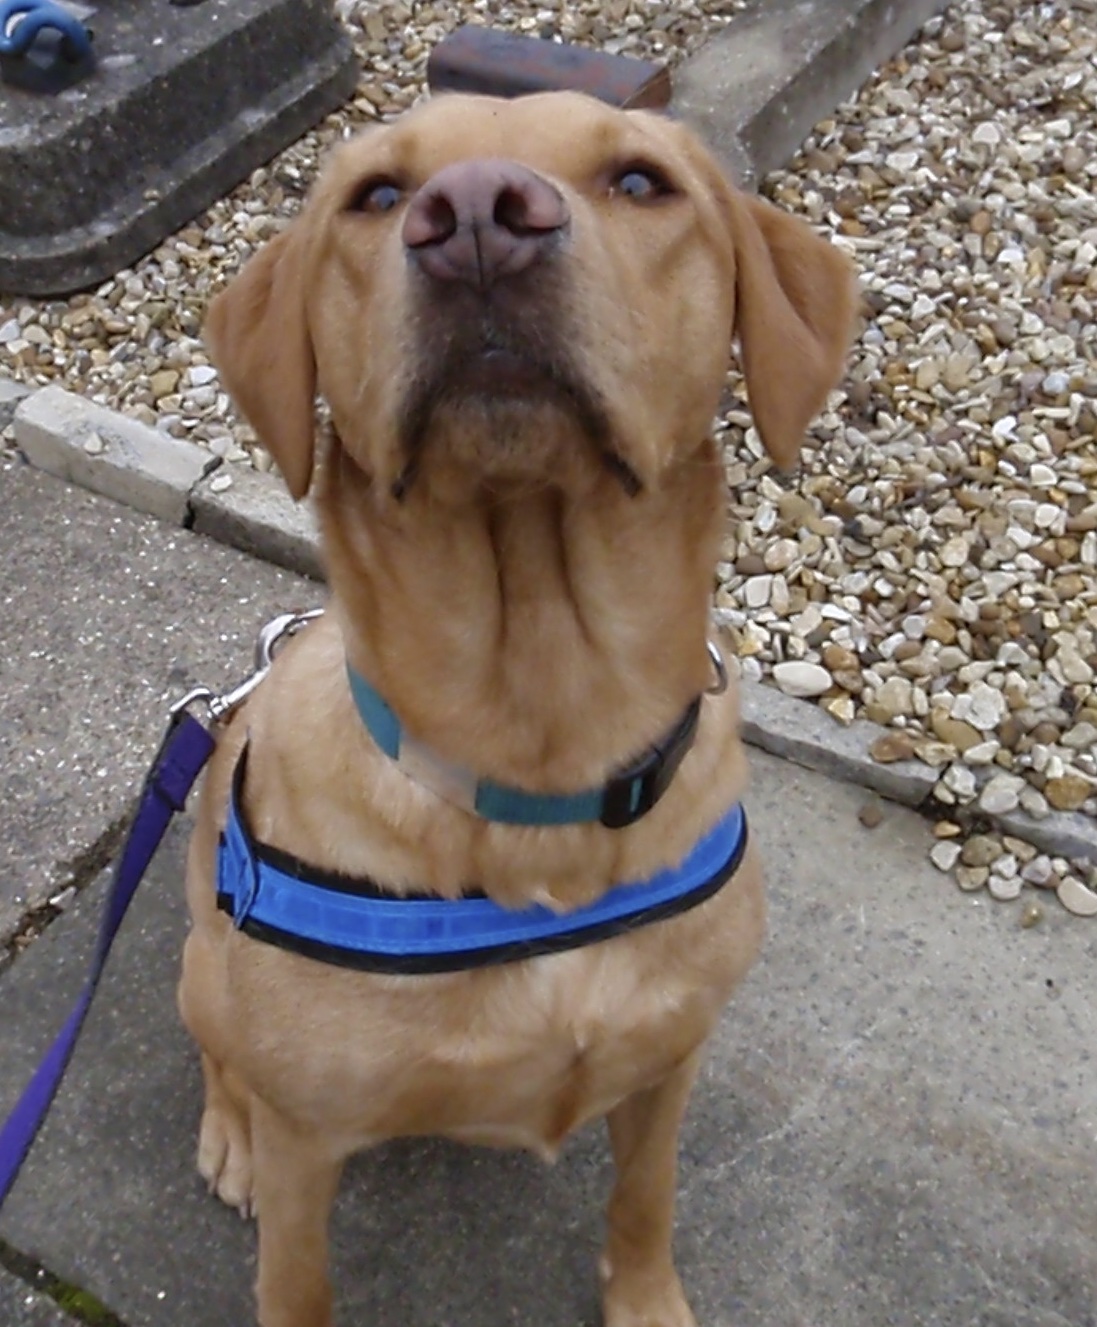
[[632, 792]]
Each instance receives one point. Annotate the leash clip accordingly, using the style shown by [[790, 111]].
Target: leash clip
[[220, 706], [720, 671]]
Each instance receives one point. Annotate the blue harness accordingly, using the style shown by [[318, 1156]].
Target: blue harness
[[272, 896]]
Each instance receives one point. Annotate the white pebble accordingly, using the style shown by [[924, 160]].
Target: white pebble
[[945, 855], [1076, 898], [982, 753], [1004, 888], [1081, 737], [94, 444], [766, 518], [961, 781], [756, 591], [220, 482], [954, 551], [983, 707], [1035, 804], [1038, 871], [1001, 794], [797, 677], [1074, 667], [780, 555]]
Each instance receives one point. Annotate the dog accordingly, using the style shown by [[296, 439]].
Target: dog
[[519, 314]]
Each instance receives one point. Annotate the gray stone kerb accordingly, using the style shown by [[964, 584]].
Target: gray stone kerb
[[781, 66], [119, 458]]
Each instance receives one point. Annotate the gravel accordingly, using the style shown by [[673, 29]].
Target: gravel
[[933, 566], [938, 550]]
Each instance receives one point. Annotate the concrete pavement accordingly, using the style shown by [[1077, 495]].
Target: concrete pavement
[[895, 1127], [20, 1306], [106, 616]]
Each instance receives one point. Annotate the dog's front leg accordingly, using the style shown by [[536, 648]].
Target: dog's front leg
[[640, 1286], [295, 1184]]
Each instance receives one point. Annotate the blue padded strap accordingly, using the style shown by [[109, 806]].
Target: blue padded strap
[[355, 923]]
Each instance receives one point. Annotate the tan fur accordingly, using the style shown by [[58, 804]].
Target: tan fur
[[526, 617]]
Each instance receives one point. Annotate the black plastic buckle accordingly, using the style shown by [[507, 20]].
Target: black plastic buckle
[[631, 793]]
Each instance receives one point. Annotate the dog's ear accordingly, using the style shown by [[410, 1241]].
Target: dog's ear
[[259, 340], [795, 298]]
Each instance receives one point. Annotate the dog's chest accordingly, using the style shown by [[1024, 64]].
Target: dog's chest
[[514, 1056]]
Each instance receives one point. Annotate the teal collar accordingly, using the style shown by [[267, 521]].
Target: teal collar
[[623, 799]]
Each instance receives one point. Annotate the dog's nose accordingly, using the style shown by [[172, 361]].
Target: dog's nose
[[482, 221]]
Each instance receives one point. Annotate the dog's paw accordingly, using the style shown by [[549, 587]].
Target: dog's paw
[[643, 1300], [224, 1158]]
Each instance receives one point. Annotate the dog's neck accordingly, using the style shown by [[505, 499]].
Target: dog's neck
[[535, 638]]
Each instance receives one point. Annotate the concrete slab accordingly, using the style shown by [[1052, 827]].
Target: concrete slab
[[185, 101], [107, 617], [781, 66], [894, 1129]]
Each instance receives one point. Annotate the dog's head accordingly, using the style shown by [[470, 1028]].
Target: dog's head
[[538, 290]]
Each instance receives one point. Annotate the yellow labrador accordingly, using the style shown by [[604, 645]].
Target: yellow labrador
[[520, 315]]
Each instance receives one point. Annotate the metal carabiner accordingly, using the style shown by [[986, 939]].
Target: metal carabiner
[[285, 624], [220, 707]]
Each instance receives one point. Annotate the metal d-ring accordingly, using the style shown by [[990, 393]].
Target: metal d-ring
[[719, 668]]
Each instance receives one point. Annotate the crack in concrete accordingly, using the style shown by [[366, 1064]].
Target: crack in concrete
[[190, 513], [82, 869], [81, 1305]]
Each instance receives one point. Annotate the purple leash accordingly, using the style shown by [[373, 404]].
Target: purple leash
[[186, 747]]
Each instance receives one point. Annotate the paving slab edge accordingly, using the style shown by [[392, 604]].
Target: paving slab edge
[[756, 89], [129, 462]]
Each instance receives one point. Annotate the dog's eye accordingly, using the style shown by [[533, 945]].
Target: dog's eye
[[642, 183], [376, 196]]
